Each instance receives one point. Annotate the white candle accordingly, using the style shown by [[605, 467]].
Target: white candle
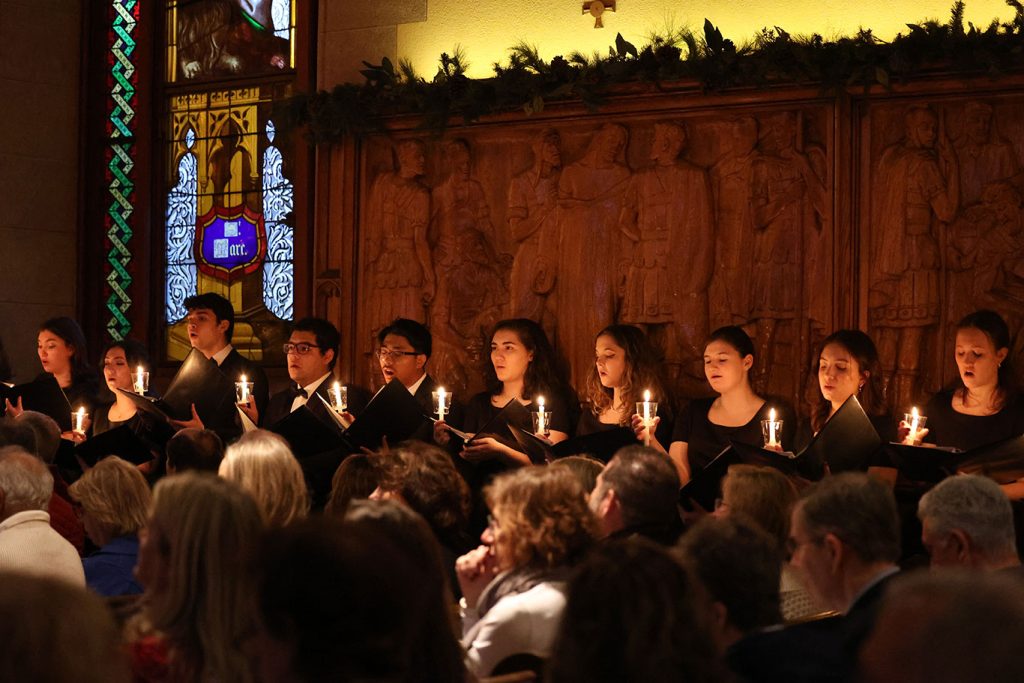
[[336, 391], [541, 426], [771, 428], [440, 403], [647, 417], [245, 390], [915, 420], [80, 419], [138, 381]]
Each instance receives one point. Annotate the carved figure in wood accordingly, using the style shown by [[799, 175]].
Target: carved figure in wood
[[471, 274], [668, 217], [984, 156], [399, 270], [789, 204], [590, 200], [731, 181], [532, 218], [915, 194]]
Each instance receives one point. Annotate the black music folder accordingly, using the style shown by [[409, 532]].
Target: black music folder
[[198, 381], [499, 425], [1002, 461], [846, 443], [308, 434], [120, 441], [42, 395], [537, 449], [706, 486], [393, 413]]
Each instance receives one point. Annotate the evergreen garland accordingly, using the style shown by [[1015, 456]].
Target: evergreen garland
[[711, 61]]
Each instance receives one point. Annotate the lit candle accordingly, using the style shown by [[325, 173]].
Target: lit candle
[[541, 426], [339, 395], [771, 429], [245, 390], [915, 420], [440, 404], [140, 381], [80, 420], [647, 417]]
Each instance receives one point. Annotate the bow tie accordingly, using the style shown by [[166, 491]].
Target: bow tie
[[299, 391]]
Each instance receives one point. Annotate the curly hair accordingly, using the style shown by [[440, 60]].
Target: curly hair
[[543, 374], [643, 370], [426, 479], [543, 518]]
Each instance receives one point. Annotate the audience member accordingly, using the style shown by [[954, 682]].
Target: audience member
[[967, 521], [114, 498], [195, 563], [355, 478], [16, 433], [53, 631], [631, 615], [513, 586], [263, 465], [585, 468], [738, 566], [28, 544], [637, 494], [343, 602], [947, 627], [765, 497], [200, 450]]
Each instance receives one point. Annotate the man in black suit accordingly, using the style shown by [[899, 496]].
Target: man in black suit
[[403, 349], [211, 322]]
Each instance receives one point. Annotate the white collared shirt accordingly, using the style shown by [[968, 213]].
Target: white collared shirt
[[301, 400], [219, 357], [416, 387]]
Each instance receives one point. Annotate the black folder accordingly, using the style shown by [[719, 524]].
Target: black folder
[[199, 380], [846, 442], [926, 464], [537, 449], [308, 434], [1002, 461], [392, 413], [706, 486], [602, 445], [42, 395], [498, 426], [120, 441]]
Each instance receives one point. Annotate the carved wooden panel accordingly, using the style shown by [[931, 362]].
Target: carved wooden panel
[[786, 213]]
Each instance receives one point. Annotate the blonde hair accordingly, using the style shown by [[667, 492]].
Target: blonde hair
[[763, 495], [115, 494], [206, 529], [262, 463], [543, 517]]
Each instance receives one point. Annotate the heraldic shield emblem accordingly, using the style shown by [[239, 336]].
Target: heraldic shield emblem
[[230, 242]]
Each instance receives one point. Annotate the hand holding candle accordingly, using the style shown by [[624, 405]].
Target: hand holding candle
[[339, 397], [141, 381], [771, 430], [80, 416], [541, 419], [243, 390], [915, 422]]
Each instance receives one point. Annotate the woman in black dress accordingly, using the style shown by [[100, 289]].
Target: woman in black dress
[[846, 366], [625, 366], [707, 426]]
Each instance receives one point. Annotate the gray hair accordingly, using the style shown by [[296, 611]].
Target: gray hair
[[976, 506], [26, 482], [858, 510], [47, 434]]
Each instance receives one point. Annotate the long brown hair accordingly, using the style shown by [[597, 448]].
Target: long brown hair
[[643, 371], [871, 395]]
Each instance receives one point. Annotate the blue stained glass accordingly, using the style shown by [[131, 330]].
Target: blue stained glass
[[281, 17], [278, 203], [182, 207]]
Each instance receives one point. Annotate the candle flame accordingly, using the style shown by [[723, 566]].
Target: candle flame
[[81, 412], [243, 380], [647, 395], [913, 412], [771, 414], [440, 391], [540, 403]]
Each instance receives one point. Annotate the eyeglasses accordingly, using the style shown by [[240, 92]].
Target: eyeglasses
[[391, 354], [302, 348]]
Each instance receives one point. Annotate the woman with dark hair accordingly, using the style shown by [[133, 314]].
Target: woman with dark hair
[[707, 426], [63, 354], [848, 365], [626, 365]]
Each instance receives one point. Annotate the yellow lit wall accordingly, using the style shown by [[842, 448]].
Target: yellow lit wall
[[486, 28]]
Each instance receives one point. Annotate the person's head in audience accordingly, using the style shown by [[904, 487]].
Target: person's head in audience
[[967, 521], [194, 449], [25, 482], [312, 350], [423, 477], [62, 350], [403, 349], [263, 465], [632, 614], [114, 498], [120, 361], [53, 631], [47, 433], [195, 559], [211, 322], [586, 469], [336, 602], [636, 494], [539, 519], [356, 478], [947, 627], [14, 432], [739, 565], [845, 532], [763, 495]]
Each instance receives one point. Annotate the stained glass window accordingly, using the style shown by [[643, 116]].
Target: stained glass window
[[278, 203]]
